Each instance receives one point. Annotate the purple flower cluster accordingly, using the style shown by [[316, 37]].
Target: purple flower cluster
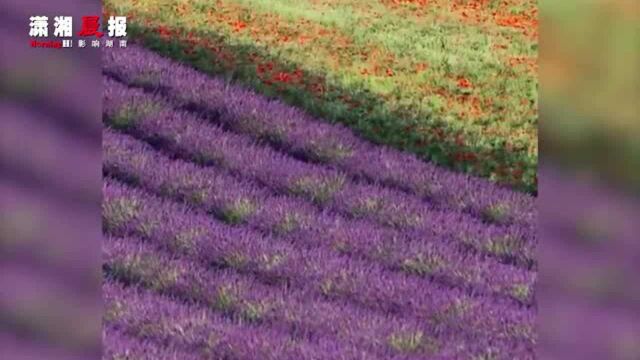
[[310, 309], [55, 160], [332, 329], [238, 201], [238, 227], [186, 135], [129, 211]]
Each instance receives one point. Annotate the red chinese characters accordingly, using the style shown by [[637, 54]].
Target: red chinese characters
[[90, 26]]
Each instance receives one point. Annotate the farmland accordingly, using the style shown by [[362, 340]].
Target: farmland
[[237, 226], [454, 82]]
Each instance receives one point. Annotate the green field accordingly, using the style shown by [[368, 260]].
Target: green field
[[452, 81]]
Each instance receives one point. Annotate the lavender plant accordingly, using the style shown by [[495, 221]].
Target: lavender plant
[[300, 314], [279, 264], [237, 201], [183, 134]]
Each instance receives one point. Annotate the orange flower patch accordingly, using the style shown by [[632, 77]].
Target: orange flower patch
[[530, 63], [303, 39], [238, 25], [464, 83], [182, 8], [525, 23], [398, 3]]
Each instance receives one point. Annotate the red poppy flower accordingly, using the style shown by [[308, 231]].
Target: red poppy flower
[[283, 77], [163, 31], [464, 83], [239, 25]]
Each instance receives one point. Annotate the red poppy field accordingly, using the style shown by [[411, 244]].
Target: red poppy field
[[453, 81]]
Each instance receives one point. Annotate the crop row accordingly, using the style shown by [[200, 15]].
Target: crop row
[[249, 304], [177, 227], [291, 130], [191, 328], [119, 340], [30, 220], [186, 135], [236, 201], [56, 156], [285, 312]]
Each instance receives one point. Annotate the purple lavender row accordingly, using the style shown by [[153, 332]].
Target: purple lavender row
[[195, 329], [118, 344], [589, 274], [36, 302], [239, 299], [132, 212], [16, 346], [607, 332], [240, 201], [30, 222], [50, 156], [300, 134], [602, 219], [275, 310], [248, 302], [349, 329], [184, 134]]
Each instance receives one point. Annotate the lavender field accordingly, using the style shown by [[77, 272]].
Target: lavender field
[[237, 227]]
